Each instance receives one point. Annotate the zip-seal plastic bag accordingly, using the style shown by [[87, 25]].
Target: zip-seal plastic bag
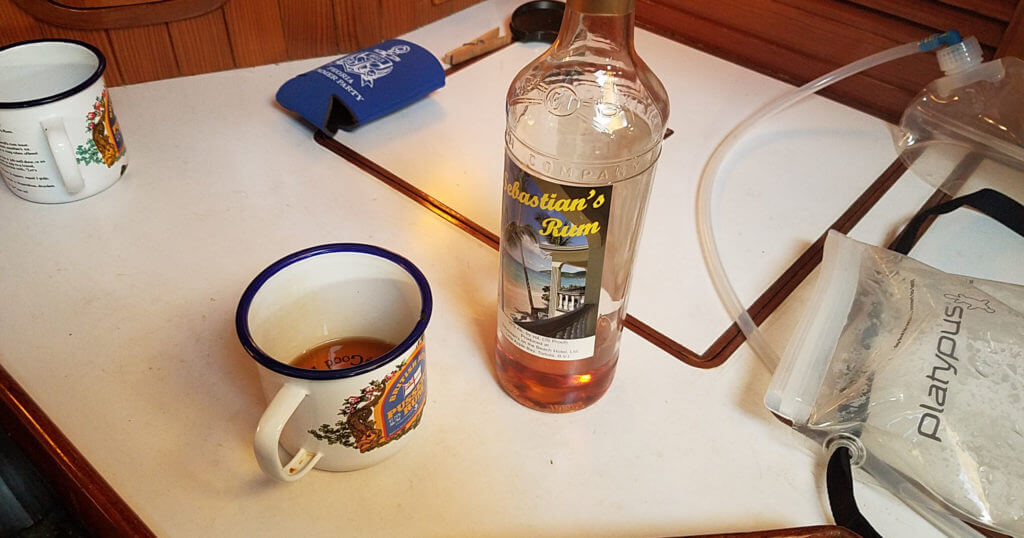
[[919, 374]]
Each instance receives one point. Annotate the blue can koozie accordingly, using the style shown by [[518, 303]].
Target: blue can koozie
[[363, 86]]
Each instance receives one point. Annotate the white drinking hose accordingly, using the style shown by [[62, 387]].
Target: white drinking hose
[[706, 187]]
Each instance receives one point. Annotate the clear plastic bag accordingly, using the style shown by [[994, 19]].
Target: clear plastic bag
[[920, 373]]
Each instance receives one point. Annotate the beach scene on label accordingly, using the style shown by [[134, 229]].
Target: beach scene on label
[[553, 241]]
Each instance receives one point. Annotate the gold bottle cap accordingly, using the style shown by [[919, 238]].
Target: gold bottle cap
[[602, 7]]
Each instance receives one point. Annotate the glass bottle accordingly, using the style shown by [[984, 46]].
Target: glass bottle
[[584, 127]]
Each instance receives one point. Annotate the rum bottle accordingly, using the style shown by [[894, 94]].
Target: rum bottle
[[584, 128]]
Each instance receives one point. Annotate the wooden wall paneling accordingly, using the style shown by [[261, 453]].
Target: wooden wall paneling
[[144, 53], [362, 23], [308, 28], [798, 40], [444, 8], [997, 9], [910, 73], [97, 38], [878, 33], [201, 44], [790, 25], [765, 56], [15, 24], [94, 4], [401, 16], [359, 24], [121, 16], [865, 21], [451, 6], [799, 27], [804, 27], [256, 33], [941, 17], [1013, 39]]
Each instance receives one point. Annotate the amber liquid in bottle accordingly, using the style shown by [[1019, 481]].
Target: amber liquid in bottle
[[585, 122], [557, 386]]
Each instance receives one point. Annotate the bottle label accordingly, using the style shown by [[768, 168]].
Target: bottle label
[[553, 239]]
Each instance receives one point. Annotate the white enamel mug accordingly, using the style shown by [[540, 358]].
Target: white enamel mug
[[60, 140], [336, 420]]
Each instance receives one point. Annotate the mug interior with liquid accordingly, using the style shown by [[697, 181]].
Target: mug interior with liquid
[[42, 71], [328, 293]]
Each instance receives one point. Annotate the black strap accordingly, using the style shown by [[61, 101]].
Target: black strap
[[838, 476], [839, 479], [992, 203]]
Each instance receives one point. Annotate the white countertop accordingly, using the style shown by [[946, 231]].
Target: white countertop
[[116, 316], [828, 152]]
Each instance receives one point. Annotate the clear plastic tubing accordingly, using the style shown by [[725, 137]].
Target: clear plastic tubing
[[706, 187]]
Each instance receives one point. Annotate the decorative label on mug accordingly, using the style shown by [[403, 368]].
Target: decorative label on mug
[[383, 411], [105, 144], [27, 166]]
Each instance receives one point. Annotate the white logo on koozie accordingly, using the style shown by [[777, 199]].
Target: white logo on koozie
[[373, 64]]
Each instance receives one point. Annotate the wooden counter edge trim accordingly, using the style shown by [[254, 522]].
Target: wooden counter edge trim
[[89, 497], [783, 286], [483, 234], [817, 531], [732, 338], [406, 188]]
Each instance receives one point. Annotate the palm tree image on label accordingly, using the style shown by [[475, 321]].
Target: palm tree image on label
[[552, 253]]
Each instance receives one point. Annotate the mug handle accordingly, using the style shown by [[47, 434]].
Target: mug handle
[[268, 437], [63, 154]]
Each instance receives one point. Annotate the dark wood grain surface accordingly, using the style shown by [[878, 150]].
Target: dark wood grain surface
[[799, 40], [146, 40]]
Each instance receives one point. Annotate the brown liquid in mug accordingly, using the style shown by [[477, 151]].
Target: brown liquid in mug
[[342, 353]]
